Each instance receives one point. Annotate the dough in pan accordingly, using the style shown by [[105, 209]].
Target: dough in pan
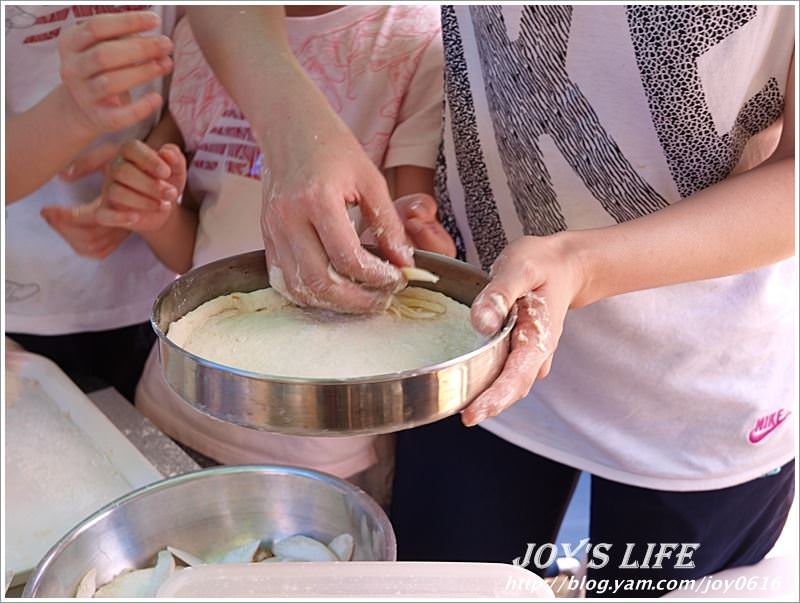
[[264, 333]]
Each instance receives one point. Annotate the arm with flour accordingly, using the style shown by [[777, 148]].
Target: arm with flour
[[317, 168], [737, 225]]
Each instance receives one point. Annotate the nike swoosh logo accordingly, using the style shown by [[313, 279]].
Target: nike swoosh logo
[[755, 436]]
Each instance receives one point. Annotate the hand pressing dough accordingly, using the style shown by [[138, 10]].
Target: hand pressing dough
[[264, 333]]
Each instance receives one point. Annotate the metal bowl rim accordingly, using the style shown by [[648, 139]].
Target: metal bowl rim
[[370, 506], [498, 337]]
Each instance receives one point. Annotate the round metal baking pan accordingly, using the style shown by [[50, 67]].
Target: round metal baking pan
[[323, 407]]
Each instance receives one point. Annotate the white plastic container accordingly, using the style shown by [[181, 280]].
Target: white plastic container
[[366, 579], [64, 459]]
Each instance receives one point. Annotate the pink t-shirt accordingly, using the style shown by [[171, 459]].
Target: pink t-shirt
[[380, 67]]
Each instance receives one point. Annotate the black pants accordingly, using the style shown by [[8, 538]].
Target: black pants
[[467, 495], [98, 358]]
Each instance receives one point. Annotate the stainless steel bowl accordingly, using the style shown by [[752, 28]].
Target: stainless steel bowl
[[210, 511], [332, 407]]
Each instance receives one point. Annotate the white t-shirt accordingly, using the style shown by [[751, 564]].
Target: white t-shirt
[[50, 290], [564, 117], [381, 69]]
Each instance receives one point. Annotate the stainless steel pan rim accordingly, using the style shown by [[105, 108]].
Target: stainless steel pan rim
[[322, 406]]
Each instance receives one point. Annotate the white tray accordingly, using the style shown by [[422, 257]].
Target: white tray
[[363, 579], [64, 460]]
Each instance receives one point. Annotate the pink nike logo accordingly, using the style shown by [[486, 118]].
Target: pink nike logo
[[766, 425]]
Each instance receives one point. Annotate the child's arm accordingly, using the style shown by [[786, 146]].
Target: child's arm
[[316, 164], [101, 60]]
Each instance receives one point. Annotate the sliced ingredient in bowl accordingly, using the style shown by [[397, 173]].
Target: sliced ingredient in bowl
[[146, 582]]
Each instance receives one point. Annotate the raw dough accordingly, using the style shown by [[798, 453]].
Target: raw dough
[[264, 333]]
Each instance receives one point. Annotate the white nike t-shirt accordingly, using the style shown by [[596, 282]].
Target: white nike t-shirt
[[563, 117]]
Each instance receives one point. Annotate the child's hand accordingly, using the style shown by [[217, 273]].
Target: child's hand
[[102, 59], [78, 227], [142, 187], [93, 159], [418, 213]]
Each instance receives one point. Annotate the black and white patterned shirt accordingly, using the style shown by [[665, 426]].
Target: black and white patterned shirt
[[573, 117]]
